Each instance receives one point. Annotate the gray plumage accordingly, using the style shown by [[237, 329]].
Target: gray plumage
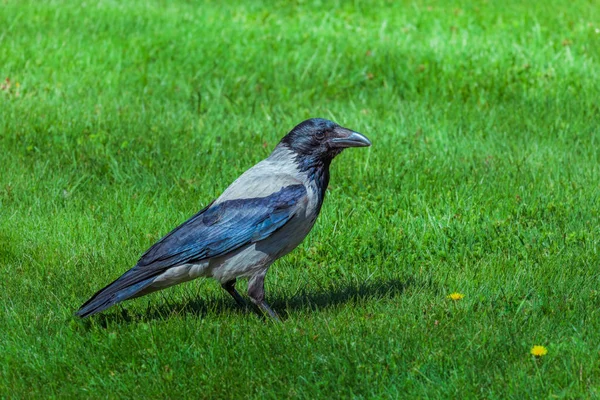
[[260, 217]]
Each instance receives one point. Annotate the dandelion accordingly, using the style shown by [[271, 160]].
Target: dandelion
[[539, 351], [456, 296]]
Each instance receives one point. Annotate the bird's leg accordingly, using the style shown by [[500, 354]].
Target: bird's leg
[[256, 292], [229, 286]]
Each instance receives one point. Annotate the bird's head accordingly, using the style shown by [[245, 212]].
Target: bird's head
[[320, 140]]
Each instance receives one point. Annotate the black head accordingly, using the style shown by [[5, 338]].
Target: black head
[[321, 140]]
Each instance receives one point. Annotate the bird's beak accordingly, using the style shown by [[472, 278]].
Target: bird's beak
[[347, 138]]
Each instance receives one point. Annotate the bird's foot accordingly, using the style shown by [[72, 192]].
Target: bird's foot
[[265, 310]]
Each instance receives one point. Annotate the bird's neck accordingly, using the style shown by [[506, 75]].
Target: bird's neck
[[314, 170], [317, 173]]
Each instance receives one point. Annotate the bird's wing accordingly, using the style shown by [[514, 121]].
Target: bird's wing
[[216, 230], [225, 227]]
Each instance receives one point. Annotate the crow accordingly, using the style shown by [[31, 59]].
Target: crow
[[260, 217]]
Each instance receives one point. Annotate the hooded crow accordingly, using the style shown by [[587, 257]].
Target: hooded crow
[[259, 218]]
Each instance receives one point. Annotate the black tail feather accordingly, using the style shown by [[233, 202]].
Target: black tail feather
[[117, 291]]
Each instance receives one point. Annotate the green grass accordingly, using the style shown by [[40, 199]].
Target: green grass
[[483, 178]]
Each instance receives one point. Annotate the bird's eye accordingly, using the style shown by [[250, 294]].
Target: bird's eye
[[320, 135]]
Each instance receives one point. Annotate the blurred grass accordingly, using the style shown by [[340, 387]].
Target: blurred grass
[[120, 119]]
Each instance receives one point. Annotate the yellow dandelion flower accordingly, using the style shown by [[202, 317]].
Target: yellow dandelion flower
[[456, 296], [539, 351]]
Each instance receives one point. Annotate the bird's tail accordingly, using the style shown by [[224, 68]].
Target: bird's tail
[[119, 290]]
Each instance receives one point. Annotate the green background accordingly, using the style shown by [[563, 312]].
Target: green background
[[121, 119]]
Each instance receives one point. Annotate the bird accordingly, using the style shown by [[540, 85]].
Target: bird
[[262, 216]]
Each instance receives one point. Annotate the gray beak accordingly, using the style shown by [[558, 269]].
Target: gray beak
[[349, 139]]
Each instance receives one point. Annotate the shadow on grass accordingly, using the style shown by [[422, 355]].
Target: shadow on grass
[[306, 301], [326, 299]]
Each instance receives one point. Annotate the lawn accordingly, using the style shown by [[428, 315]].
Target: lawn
[[120, 119]]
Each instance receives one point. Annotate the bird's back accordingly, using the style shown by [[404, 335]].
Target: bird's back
[[264, 178]]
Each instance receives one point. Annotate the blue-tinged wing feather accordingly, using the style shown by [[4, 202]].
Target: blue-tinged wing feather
[[225, 227]]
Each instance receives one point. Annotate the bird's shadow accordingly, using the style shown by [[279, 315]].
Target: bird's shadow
[[302, 301]]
